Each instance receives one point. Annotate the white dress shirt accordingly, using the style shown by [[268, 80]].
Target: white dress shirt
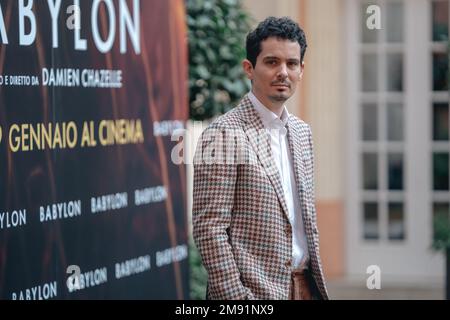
[[276, 127]]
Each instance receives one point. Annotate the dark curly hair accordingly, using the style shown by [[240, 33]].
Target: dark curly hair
[[283, 28]]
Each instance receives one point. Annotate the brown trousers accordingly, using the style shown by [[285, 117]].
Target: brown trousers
[[300, 286]]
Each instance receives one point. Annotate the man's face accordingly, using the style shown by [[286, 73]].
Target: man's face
[[278, 70]]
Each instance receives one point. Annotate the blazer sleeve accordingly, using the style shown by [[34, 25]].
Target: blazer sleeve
[[213, 198]]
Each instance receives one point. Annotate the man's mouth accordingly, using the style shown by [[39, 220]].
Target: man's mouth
[[281, 85]]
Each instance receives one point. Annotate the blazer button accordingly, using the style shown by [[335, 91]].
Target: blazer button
[[288, 263], [287, 230]]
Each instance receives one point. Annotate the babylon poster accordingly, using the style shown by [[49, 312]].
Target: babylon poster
[[91, 205]]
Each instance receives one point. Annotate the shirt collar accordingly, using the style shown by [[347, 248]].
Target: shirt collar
[[269, 118]]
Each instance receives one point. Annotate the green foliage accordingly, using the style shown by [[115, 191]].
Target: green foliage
[[441, 237], [199, 276], [441, 222], [216, 30]]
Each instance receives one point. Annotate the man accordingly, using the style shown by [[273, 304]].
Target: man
[[254, 219]]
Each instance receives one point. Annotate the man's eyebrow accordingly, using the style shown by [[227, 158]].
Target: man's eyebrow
[[271, 58], [276, 58]]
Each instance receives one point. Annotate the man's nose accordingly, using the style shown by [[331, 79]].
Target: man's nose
[[282, 72]]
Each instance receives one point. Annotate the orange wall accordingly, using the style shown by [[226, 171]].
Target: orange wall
[[330, 220]]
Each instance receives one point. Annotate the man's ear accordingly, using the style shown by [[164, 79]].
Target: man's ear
[[302, 68], [248, 68]]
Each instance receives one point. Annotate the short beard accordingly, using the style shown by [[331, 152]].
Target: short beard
[[278, 98]]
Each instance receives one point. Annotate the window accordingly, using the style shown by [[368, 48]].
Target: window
[[371, 221], [439, 108], [382, 112], [395, 171], [441, 214], [440, 122], [369, 122], [394, 121], [440, 171], [440, 70], [398, 135], [396, 229], [439, 20]]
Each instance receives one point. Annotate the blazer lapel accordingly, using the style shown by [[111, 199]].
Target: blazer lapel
[[297, 150], [260, 141]]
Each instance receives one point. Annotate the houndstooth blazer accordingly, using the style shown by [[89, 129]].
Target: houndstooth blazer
[[239, 214]]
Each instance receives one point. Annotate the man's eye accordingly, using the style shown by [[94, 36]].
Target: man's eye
[[271, 62]]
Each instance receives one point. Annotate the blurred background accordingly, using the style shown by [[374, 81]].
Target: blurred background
[[378, 104]]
